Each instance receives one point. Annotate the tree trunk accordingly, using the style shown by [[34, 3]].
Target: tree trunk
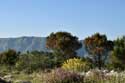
[[99, 62]]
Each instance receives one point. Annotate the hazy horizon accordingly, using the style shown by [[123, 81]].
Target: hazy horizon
[[82, 18]]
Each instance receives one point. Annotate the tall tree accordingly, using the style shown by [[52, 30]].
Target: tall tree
[[64, 42], [117, 59], [98, 47]]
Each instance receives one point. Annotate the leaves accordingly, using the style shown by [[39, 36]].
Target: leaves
[[63, 42], [98, 45], [117, 58]]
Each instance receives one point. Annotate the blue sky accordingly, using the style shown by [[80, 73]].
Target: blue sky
[[80, 17]]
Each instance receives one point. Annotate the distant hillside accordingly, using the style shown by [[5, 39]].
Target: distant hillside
[[24, 44]]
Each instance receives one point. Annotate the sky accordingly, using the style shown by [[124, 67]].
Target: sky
[[82, 18]]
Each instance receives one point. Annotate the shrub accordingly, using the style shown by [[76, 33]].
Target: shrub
[[62, 76], [36, 61], [75, 65], [9, 57], [30, 63]]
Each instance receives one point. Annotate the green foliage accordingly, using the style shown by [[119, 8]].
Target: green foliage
[[9, 57], [75, 65], [63, 42], [30, 62], [37, 61], [98, 46], [117, 58]]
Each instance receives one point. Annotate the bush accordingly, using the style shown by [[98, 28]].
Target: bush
[[36, 61], [9, 57], [75, 65], [62, 76]]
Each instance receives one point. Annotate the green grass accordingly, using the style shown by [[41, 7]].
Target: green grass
[[27, 77]]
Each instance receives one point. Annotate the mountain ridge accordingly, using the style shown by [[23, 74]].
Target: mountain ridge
[[28, 43]]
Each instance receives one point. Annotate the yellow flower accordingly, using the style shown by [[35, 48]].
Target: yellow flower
[[75, 65]]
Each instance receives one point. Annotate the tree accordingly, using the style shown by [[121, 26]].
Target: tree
[[64, 43], [117, 58], [98, 47], [9, 57]]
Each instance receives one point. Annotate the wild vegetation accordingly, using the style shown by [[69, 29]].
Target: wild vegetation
[[105, 62]]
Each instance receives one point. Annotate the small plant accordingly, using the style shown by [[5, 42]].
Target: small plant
[[63, 76], [75, 65]]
